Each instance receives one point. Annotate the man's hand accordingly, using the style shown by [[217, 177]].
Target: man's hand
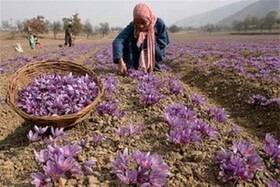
[[121, 66]]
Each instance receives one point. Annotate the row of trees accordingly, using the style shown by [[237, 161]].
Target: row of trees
[[39, 25], [250, 23], [268, 22]]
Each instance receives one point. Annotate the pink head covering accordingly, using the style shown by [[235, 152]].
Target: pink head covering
[[147, 58]]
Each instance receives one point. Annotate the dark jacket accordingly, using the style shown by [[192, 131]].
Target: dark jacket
[[68, 38], [124, 45]]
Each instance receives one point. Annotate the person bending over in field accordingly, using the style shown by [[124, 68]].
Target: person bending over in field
[[68, 36], [38, 43], [73, 39], [141, 45], [31, 40]]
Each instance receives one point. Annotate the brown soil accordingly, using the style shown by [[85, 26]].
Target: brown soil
[[190, 165]]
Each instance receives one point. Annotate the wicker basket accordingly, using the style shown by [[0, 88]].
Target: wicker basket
[[30, 71]]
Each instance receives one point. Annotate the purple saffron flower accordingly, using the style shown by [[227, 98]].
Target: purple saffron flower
[[140, 169], [42, 157], [75, 170], [273, 183], [275, 101], [249, 153], [70, 150], [132, 73], [234, 170], [239, 164], [185, 127], [39, 180], [53, 150], [121, 131], [150, 79], [144, 87], [222, 156], [270, 140], [96, 139], [175, 86], [156, 160], [272, 148], [41, 130], [110, 85], [119, 113], [240, 170], [110, 108], [120, 162], [129, 177], [82, 142], [205, 130], [242, 148], [51, 170], [235, 129], [256, 100], [63, 164], [158, 175], [143, 160], [185, 136], [87, 166], [106, 107], [218, 114], [177, 110], [151, 97], [132, 130], [33, 137], [57, 132], [197, 100]]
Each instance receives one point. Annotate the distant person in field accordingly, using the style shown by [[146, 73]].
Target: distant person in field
[[31, 40], [38, 43], [68, 36], [73, 40], [141, 45]]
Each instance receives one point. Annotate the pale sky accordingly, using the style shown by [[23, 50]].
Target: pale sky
[[114, 12]]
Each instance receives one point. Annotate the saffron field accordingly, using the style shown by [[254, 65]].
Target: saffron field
[[210, 118]]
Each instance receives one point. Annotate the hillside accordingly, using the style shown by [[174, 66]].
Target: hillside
[[257, 9], [214, 16]]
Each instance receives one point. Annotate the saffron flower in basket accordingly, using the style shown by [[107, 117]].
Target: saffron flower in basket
[[55, 95]]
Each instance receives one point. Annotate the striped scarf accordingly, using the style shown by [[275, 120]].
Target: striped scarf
[[147, 57]]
